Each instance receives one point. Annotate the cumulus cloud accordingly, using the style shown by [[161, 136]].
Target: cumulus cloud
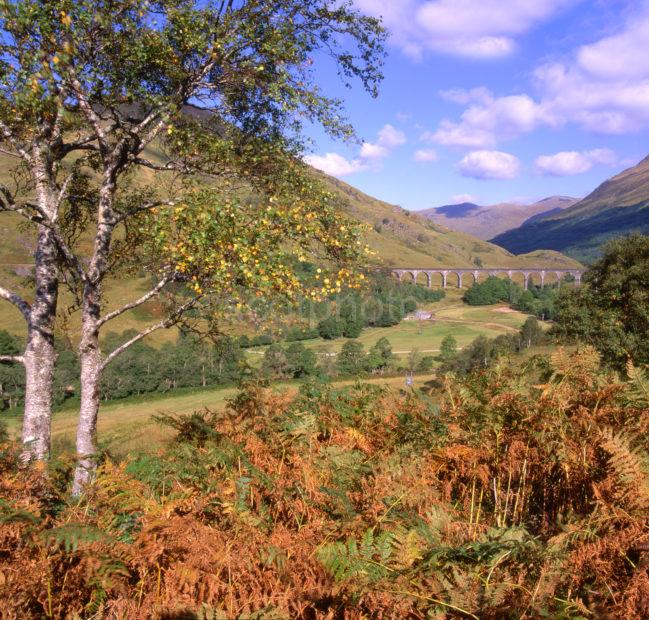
[[390, 137], [568, 163], [484, 124], [602, 87], [425, 155], [489, 165], [370, 156], [460, 198], [335, 165], [471, 28], [618, 56], [373, 152], [595, 94]]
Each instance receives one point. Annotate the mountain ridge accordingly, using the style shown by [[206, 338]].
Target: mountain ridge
[[487, 221], [618, 206]]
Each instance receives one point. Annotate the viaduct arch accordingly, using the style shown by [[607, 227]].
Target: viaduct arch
[[474, 275]]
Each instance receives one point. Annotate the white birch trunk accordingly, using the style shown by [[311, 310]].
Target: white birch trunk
[[90, 364], [89, 350], [40, 354]]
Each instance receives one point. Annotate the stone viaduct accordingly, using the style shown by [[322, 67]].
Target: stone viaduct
[[476, 274]]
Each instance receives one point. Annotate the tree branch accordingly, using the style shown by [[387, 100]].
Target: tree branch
[[9, 153], [16, 300], [170, 166], [8, 204], [86, 108], [165, 323], [145, 207], [8, 135], [12, 359], [138, 302]]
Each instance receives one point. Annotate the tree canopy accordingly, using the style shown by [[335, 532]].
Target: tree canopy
[[611, 309], [166, 136]]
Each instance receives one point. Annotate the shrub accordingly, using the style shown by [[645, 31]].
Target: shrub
[[519, 491], [351, 359]]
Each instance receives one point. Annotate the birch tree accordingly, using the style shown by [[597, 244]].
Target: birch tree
[[165, 136]]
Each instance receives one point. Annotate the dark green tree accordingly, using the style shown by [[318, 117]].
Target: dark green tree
[[331, 328], [380, 356], [301, 361], [492, 291], [351, 359], [611, 309]]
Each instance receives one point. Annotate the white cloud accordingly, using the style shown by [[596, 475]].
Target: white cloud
[[601, 103], [489, 165], [373, 152], [602, 87], [425, 155], [618, 56], [390, 138], [471, 28], [370, 156], [484, 124], [335, 165], [568, 163], [464, 96], [460, 198], [458, 134]]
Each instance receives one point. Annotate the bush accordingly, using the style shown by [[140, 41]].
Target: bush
[[521, 492], [351, 359], [331, 328]]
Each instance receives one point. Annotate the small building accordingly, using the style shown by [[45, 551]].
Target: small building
[[419, 315]]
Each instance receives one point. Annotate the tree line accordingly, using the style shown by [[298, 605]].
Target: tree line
[[537, 300]]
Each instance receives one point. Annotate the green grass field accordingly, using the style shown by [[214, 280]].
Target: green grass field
[[450, 317], [128, 425]]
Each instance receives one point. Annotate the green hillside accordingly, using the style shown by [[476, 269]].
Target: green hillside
[[406, 239], [397, 237], [617, 207]]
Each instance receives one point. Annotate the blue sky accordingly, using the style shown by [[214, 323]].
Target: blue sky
[[497, 100]]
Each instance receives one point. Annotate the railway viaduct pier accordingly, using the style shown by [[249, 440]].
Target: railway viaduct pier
[[475, 275]]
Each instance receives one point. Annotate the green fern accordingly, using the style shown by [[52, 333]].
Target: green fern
[[71, 535], [351, 560], [638, 385]]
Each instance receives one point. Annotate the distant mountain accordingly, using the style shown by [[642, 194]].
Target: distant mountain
[[404, 238], [464, 209], [486, 222], [399, 238], [617, 207]]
